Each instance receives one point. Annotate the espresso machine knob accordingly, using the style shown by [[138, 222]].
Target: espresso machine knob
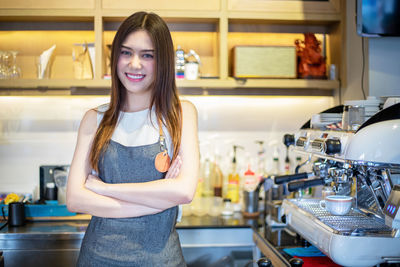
[[296, 262], [332, 146], [264, 262], [288, 139]]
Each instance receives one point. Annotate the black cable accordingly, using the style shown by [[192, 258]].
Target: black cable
[[363, 67], [4, 225]]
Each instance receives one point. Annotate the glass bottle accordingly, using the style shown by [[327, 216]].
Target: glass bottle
[[233, 191], [275, 166], [207, 178], [216, 177], [179, 63]]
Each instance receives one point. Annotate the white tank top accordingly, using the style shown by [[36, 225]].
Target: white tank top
[[136, 128]]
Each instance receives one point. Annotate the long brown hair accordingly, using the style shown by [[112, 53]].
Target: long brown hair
[[164, 97]]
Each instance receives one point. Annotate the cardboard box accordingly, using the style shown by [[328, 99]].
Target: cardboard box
[[264, 62]]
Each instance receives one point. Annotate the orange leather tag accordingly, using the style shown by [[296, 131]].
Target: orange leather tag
[[162, 161]]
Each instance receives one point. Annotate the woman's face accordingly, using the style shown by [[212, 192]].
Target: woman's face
[[136, 63]]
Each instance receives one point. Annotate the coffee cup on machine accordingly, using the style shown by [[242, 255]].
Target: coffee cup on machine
[[337, 204]]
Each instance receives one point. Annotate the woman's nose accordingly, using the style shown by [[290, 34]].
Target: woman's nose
[[135, 62]]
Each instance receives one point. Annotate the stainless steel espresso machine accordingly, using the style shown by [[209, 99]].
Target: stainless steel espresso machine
[[364, 164]]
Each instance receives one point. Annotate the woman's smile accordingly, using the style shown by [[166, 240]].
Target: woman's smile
[[135, 77]]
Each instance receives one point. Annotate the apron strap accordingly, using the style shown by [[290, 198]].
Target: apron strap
[[162, 137]]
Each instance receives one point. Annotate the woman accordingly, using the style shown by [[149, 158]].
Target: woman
[[123, 150]]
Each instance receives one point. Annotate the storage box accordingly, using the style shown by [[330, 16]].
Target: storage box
[[264, 62], [42, 210]]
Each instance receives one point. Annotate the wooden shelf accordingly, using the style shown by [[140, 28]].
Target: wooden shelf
[[214, 36], [53, 83], [259, 83], [187, 16], [287, 17], [201, 83], [46, 14]]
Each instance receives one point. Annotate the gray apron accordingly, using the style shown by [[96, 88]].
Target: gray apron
[[149, 240]]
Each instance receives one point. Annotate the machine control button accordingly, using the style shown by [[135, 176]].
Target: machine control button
[[318, 145], [264, 262], [288, 139], [332, 146], [296, 262], [301, 141]]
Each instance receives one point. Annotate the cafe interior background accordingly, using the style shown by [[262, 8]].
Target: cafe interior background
[[40, 115], [41, 129]]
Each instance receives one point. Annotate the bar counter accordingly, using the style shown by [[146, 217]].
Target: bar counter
[[78, 226], [204, 240]]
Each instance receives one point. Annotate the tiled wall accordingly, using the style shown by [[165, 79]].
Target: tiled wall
[[38, 131]]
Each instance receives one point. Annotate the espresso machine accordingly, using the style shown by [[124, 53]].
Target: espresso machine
[[364, 164]]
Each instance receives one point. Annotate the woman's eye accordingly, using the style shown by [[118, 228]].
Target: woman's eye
[[125, 53], [148, 56]]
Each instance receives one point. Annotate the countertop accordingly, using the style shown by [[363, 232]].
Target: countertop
[[77, 227], [194, 232], [205, 231], [60, 240]]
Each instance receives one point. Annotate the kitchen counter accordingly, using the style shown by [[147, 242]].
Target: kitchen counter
[[202, 238], [206, 239], [78, 227]]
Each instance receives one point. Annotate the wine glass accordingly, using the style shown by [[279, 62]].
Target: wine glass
[[3, 70], [7, 63], [15, 71]]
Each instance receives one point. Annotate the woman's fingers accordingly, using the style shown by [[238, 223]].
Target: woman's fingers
[[175, 168]]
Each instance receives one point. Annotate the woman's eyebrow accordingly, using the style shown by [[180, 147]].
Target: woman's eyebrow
[[144, 50], [126, 47]]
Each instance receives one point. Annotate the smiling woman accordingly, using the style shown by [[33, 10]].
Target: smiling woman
[[122, 172], [136, 66]]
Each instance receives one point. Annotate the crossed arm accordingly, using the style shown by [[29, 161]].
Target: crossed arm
[[88, 194]]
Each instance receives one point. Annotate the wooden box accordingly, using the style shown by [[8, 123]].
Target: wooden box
[[264, 62]]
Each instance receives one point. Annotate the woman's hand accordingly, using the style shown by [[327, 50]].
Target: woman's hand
[[95, 184], [175, 168]]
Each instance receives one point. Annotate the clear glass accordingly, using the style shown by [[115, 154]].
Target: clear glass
[[356, 117], [8, 65], [7, 61], [15, 71], [4, 64], [227, 209], [353, 117], [215, 206], [2, 67]]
